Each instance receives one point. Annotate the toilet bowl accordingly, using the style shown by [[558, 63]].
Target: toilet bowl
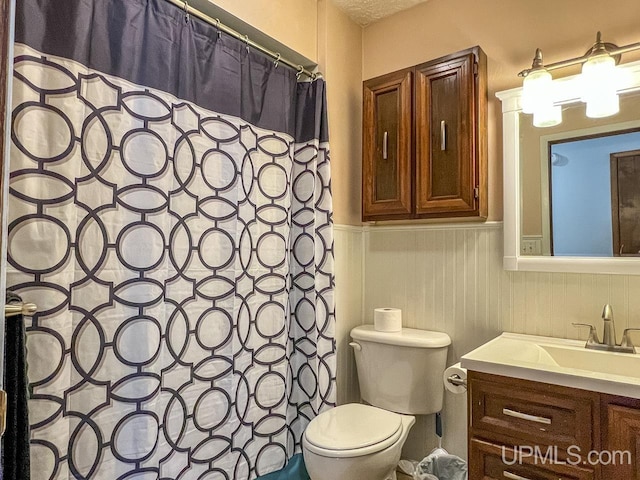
[[400, 375], [355, 442]]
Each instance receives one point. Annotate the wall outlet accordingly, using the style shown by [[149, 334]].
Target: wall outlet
[[531, 246]]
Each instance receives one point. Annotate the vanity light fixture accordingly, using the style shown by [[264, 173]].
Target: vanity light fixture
[[599, 83]]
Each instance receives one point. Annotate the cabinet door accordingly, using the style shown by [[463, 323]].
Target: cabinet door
[[623, 436], [386, 169], [445, 137]]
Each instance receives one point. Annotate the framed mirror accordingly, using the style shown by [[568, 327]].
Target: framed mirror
[[572, 191]]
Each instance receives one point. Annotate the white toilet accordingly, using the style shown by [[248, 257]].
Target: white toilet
[[400, 375]]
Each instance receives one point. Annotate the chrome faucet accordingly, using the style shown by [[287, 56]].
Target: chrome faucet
[[609, 332], [609, 335]]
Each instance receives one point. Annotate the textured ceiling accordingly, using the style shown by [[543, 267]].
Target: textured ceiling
[[368, 11]]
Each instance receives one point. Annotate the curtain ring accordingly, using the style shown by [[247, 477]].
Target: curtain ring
[[218, 26], [314, 76], [277, 62], [300, 72], [246, 41], [186, 11]]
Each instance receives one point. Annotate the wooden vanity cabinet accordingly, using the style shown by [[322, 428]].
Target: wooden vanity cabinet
[[425, 140], [508, 413]]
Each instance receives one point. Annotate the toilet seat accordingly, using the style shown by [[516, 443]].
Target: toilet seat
[[352, 430]]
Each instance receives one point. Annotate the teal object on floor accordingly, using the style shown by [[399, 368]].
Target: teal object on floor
[[295, 470]]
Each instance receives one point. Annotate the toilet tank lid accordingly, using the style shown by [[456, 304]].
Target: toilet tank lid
[[407, 337]]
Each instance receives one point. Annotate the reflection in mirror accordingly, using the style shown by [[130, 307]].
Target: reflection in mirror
[[580, 184]]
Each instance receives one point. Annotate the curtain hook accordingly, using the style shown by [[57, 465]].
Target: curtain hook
[[246, 40], [186, 11], [277, 62], [218, 26], [300, 72]]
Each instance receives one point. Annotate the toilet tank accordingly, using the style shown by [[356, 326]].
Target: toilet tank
[[401, 371]]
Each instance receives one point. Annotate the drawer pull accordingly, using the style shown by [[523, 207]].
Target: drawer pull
[[513, 476], [443, 135], [524, 416], [385, 142]]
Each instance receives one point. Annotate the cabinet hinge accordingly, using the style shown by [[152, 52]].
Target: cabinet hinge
[[475, 69], [476, 193]]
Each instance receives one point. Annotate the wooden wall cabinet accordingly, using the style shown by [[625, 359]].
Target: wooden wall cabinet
[[507, 413], [425, 140]]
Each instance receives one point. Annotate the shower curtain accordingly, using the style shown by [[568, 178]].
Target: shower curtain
[[171, 216]]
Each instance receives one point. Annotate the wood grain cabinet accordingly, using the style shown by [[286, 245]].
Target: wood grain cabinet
[[562, 425], [425, 140]]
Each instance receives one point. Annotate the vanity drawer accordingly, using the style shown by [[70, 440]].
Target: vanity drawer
[[527, 413], [486, 463]]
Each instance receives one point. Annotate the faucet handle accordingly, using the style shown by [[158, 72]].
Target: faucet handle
[[626, 338], [593, 334]]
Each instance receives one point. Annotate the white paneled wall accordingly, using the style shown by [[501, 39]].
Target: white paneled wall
[[449, 278], [445, 278], [349, 294]]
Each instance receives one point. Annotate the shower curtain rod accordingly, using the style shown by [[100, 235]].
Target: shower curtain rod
[[12, 309], [184, 5]]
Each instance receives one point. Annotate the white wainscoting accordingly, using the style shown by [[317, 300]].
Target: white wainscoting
[[449, 277], [349, 295]]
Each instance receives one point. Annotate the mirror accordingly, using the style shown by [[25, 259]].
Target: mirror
[[572, 191]]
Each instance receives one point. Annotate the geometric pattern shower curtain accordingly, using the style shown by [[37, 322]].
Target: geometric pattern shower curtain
[[170, 213]]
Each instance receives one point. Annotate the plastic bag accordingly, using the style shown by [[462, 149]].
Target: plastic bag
[[440, 465]]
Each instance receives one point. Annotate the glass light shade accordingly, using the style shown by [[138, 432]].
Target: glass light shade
[[599, 86], [549, 116], [537, 91], [603, 106]]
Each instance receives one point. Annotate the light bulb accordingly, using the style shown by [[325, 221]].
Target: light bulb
[[603, 106], [537, 90], [599, 86], [548, 116]]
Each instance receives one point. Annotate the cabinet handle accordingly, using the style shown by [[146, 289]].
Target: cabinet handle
[[443, 135], [524, 416], [385, 142], [513, 476]]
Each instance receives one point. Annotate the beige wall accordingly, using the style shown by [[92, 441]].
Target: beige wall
[[508, 31], [340, 58], [291, 22]]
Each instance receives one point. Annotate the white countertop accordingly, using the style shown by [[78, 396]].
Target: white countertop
[[559, 362]]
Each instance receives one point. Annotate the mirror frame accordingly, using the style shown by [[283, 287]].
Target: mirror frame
[[565, 94]]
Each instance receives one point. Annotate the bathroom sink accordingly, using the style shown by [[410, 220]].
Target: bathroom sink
[[557, 361]]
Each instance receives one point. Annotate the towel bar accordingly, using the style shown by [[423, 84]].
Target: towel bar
[[12, 309]]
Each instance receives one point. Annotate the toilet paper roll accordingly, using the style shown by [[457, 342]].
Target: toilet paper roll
[[455, 373], [387, 319]]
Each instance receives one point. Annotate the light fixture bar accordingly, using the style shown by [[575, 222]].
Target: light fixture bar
[[609, 48]]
